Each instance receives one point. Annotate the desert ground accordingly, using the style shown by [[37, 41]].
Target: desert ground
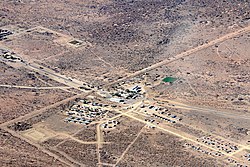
[[124, 83]]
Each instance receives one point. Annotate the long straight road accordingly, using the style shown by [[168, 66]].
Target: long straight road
[[221, 113], [186, 53], [73, 83], [35, 87], [38, 146], [37, 112], [181, 135]]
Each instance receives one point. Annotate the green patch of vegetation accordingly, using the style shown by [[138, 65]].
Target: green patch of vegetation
[[169, 79]]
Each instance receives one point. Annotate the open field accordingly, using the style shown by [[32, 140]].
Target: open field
[[150, 144], [225, 70], [16, 152], [17, 102]]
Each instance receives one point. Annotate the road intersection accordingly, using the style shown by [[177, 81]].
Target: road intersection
[[77, 84]]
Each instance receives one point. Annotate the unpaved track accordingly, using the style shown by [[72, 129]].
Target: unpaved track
[[37, 112], [99, 145], [31, 87], [129, 146], [73, 83], [176, 134], [63, 88], [221, 113], [70, 137], [186, 53], [68, 157], [15, 134], [180, 135]]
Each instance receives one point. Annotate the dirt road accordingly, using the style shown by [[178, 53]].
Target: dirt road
[[37, 112], [185, 54], [221, 113], [31, 87], [36, 145]]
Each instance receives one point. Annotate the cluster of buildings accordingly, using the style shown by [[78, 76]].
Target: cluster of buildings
[[95, 104], [198, 148], [4, 33], [79, 120], [124, 95], [164, 118], [152, 121], [10, 56], [110, 124], [232, 161], [219, 144], [85, 112], [159, 113], [247, 156], [173, 116]]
